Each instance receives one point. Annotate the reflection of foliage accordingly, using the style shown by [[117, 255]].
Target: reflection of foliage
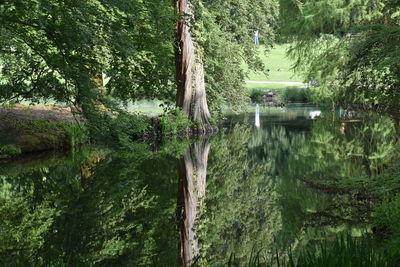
[[32, 197], [175, 146], [359, 149], [342, 251], [118, 209], [274, 145], [239, 210], [24, 232], [326, 187], [9, 150], [110, 209], [387, 218]]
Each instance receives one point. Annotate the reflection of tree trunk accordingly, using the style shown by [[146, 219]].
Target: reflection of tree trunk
[[191, 93], [192, 188], [87, 166]]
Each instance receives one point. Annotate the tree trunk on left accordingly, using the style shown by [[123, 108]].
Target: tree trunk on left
[[191, 93]]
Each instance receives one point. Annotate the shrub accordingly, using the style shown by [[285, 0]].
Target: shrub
[[9, 150], [76, 134], [174, 121], [302, 95]]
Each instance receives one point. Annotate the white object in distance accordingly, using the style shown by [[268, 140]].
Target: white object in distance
[[257, 120], [314, 114]]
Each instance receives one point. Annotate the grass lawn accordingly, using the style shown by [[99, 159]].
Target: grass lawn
[[274, 60]]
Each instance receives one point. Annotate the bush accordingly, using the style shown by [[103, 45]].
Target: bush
[[257, 95], [260, 95], [288, 94], [174, 121], [76, 134], [301, 95], [9, 150]]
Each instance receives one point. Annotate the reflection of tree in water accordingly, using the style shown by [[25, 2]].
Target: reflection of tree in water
[[317, 192], [32, 194], [124, 214], [330, 156], [273, 144], [264, 187], [239, 210], [192, 189]]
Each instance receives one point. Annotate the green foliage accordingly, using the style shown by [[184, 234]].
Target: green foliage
[[387, 217], [287, 94], [173, 122], [75, 133], [62, 51], [97, 208], [57, 50], [372, 73], [32, 135], [348, 49], [343, 251], [257, 95], [9, 150], [298, 95], [223, 31], [117, 129], [8, 105]]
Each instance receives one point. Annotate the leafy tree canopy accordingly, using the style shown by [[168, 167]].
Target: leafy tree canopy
[[62, 50], [348, 48]]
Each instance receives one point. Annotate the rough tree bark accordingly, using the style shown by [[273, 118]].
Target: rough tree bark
[[192, 189], [191, 93]]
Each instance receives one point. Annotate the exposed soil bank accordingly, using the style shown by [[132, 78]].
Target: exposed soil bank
[[35, 129]]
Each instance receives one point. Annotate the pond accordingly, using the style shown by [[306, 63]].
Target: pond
[[251, 188]]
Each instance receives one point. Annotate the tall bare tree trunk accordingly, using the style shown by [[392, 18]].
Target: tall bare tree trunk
[[191, 93], [192, 189]]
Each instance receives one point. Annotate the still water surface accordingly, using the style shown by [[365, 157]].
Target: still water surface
[[202, 201]]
